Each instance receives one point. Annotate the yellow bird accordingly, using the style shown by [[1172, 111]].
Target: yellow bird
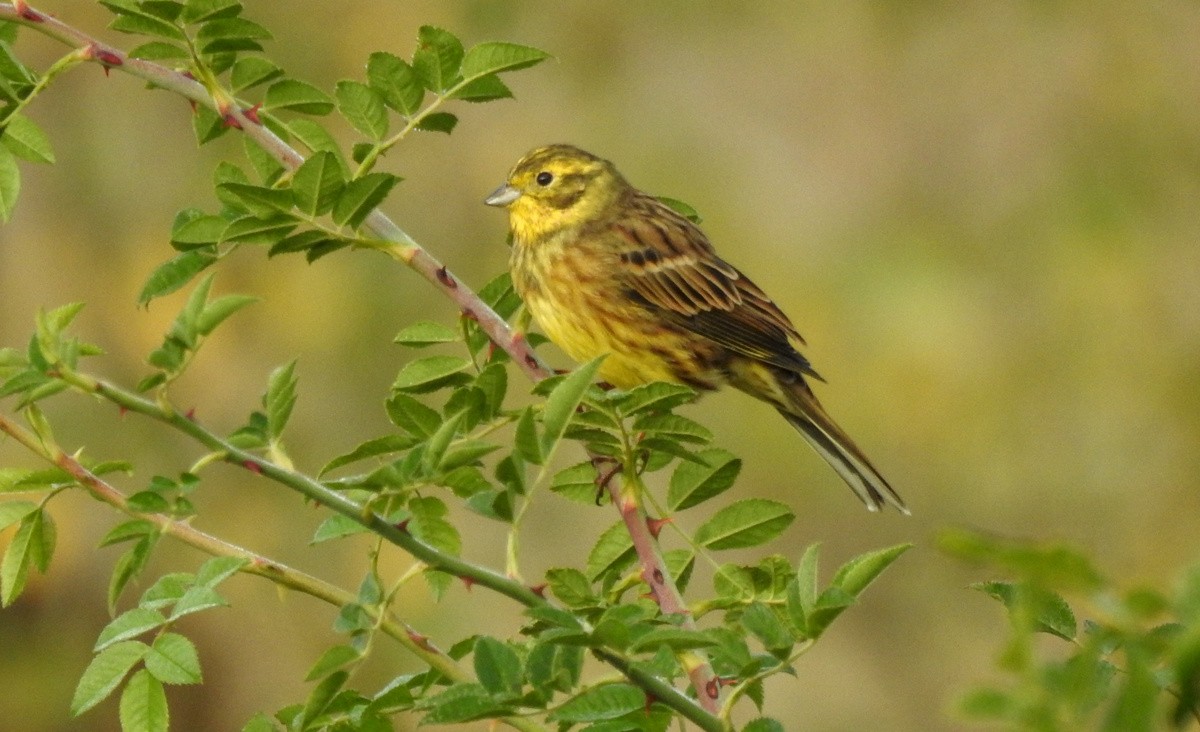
[[604, 268]]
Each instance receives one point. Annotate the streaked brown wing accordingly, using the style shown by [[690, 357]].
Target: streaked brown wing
[[670, 264]]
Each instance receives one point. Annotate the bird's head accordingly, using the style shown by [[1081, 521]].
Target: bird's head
[[556, 187]]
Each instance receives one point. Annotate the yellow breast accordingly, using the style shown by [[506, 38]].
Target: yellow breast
[[581, 312]]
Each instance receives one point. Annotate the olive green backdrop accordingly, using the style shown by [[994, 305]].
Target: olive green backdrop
[[984, 218]]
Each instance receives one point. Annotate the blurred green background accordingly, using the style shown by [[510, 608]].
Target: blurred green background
[[984, 218]]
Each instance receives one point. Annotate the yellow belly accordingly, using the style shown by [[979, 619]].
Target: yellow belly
[[584, 338], [588, 314]]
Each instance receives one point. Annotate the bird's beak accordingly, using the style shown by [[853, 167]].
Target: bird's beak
[[502, 196]]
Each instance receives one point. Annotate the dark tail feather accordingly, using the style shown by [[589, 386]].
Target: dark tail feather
[[844, 456]]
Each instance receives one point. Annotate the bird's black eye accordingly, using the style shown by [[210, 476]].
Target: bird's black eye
[[544, 178]]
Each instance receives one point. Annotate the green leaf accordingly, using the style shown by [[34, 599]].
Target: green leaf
[[128, 566], [765, 625], [803, 597], [215, 312], [32, 545], [563, 401], [429, 524], [683, 209], [297, 96], [144, 704], [192, 230], [250, 71], [461, 703], [673, 426], [127, 531], [320, 698], [599, 703], [371, 448], [497, 667], [427, 374], [677, 639], [331, 660], [10, 183], [251, 229], [439, 441], [856, 574], [484, 89], [196, 599], [746, 523], [26, 140], [438, 122], [317, 183], [570, 586], [412, 416], [335, 527], [104, 673], [437, 58], [208, 125], [492, 58], [13, 511], [197, 11], [526, 440], [613, 552], [175, 273], [361, 196], [218, 569], [656, 396], [734, 583], [231, 34], [280, 398], [426, 333], [173, 659], [261, 201], [396, 82], [129, 624], [578, 483], [135, 22], [316, 138], [694, 483], [159, 51], [1048, 611], [363, 108]]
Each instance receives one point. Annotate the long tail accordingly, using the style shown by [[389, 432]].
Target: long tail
[[831, 443]]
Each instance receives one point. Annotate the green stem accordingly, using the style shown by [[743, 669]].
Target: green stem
[[256, 564], [308, 487]]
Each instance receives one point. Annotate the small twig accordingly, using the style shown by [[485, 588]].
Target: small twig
[[256, 564]]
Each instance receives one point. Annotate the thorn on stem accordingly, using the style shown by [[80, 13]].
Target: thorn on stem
[[443, 275], [539, 590], [252, 466], [421, 640], [106, 57], [28, 13], [656, 524], [403, 525], [468, 582], [251, 113]]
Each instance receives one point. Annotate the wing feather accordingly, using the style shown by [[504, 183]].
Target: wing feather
[[670, 265]]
